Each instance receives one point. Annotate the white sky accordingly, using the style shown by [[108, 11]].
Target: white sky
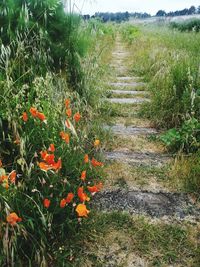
[[149, 6]]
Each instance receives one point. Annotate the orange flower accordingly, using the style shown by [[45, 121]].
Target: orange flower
[[82, 211], [49, 163], [3, 178], [12, 176], [69, 112], [67, 124], [25, 117], [12, 218], [86, 158], [33, 112], [57, 165], [67, 103], [1, 164], [50, 159], [69, 197], [96, 163], [82, 196], [51, 148], [83, 175], [63, 203], [77, 117], [46, 203], [44, 166], [96, 143], [95, 188], [41, 116], [43, 154], [65, 137]]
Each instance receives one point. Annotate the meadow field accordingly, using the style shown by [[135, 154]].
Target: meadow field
[[56, 76]]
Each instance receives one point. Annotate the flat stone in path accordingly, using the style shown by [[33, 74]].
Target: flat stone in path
[[138, 100], [124, 92], [131, 130], [148, 203], [132, 84], [138, 158], [128, 78]]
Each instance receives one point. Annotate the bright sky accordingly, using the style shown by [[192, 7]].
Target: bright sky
[[149, 6]]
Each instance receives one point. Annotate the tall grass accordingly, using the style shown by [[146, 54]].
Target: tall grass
[[46, 57], [168, 61]]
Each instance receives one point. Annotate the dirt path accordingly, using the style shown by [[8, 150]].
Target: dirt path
[[137, 182], [134, 149]]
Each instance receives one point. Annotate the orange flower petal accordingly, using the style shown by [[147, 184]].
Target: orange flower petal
[[96, 143], [12, 176], [44, 166], [67, 103], [69, 112], [63, 203], [82, 210], [96, 163], [83, 175], [77, 117], [51, 148], [69, 198], [33, 112], [46, 203], [41, 116], [95, 188], [13, 218], [82, 196], [25, 117], [86, 158]]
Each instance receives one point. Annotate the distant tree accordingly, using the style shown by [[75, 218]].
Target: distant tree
[[192, 10], [198, 10], [184, 12], [161, 13]]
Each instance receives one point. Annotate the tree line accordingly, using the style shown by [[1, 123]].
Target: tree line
[[125, 16], [186, 11], [118, 17]]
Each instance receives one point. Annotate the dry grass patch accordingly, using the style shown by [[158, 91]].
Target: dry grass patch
[[122, 175], [136, 143], [117, 239], [132, 121]]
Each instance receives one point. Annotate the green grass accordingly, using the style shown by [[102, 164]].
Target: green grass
[[159, 243], [46, 56], [169, 63]]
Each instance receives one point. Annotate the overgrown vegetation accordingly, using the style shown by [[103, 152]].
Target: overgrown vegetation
[[49, 139], [169, 63], [119, 234], [187, 26]]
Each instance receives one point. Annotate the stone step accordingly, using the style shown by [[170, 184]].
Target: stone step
[[121, 53], [152, 204], [120, 129], [129, 92], [138, 158], [138, 100], [121, 84], [126, 78]]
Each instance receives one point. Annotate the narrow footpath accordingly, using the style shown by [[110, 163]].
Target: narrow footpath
[[137, 164], [135, 150]]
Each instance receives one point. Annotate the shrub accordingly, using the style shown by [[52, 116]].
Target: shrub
[[47, 179], [186, 172], [188, 25], [186, 139]]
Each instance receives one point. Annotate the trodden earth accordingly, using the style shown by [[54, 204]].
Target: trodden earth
[[143, 219]]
